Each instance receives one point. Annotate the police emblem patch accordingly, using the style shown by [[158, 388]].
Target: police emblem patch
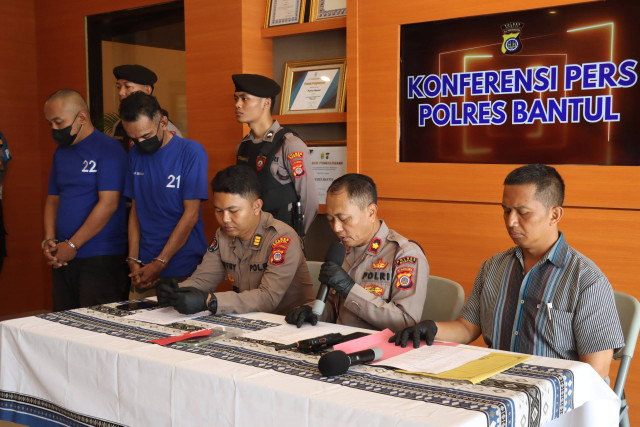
[[277, 255], [375, 245], [511, 38], [230, 278], [374, 289], [404, 278], [380, 264], [213, 246], [297, 163], [260, 162], [279, 250]]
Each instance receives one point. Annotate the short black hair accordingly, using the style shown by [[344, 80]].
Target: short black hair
[[548, 182], [139, 104], [237, 179], [360, 188]]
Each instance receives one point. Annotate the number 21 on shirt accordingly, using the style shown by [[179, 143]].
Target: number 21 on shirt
[[174, 181]]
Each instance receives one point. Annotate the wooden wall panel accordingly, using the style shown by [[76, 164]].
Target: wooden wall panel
[[23, 271]]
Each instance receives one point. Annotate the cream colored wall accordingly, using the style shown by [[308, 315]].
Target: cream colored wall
[[168, 64]]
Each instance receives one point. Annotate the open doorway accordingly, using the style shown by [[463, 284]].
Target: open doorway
[[151, 36]]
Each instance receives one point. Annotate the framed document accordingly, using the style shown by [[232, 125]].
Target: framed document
[[329, 161], [314, 87], [284, 12], [327, 9]]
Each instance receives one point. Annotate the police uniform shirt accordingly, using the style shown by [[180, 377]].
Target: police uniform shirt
[[269, 272], [159, 183], [79, 172], [292, 163], [391, 276]]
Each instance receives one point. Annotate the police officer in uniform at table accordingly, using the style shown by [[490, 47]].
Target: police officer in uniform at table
[[277, 154], [383, 280], [135, 78], [261, 256]]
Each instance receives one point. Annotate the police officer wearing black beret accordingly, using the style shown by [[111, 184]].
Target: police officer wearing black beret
[[135, 78], [278, 155]]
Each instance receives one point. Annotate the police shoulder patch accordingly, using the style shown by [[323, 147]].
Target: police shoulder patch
[[213, 246], [406, 260], [404, 278]]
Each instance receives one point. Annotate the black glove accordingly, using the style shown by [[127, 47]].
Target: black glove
[[425, 330], [335, 277], [301, 314], [189, 300], [164, 289], [213, 304]]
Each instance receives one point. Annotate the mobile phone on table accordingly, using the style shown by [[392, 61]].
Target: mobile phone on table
[[137, 305]]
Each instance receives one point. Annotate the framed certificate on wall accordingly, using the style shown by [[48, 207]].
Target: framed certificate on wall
[[329, 161], [284, 12], [314, 87], [327, 9]]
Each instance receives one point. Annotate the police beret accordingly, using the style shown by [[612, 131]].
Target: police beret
[[255, 84], [136, 74]]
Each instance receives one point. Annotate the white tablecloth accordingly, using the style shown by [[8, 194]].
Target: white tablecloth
[[88, 367]]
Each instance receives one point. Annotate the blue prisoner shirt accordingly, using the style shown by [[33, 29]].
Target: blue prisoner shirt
[[159, 183], [79, 172]]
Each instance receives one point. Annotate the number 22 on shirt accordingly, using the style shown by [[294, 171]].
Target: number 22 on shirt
[[89, 166], [174, 181]]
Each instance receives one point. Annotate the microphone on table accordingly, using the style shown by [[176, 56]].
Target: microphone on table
[[338, 362], [336, 254]]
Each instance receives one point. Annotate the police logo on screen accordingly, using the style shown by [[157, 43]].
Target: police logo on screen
[[511, 37]]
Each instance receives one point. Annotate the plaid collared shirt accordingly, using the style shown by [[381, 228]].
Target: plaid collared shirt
[[563, 307]]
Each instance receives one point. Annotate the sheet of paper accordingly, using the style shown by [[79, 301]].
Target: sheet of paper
[[164, 316], [434, 359], [480, 369], [288, 334]]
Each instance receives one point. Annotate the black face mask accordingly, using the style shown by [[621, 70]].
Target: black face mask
[[150, 145], [63, 136]]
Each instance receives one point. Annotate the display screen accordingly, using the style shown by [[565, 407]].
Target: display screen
[[555, 86]]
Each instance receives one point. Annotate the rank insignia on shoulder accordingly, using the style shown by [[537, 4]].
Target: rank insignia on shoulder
[[213, 246], [406, 260], [242, 159], [404, 279], [269, 134], [257, 239], [380, 264], [375, 245], [260, 162], [374, 289]]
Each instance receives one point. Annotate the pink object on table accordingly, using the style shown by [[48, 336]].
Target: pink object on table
[[380, 340]]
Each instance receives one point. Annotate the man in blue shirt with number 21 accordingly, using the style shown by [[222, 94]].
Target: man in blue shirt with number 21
[[167, 180]]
